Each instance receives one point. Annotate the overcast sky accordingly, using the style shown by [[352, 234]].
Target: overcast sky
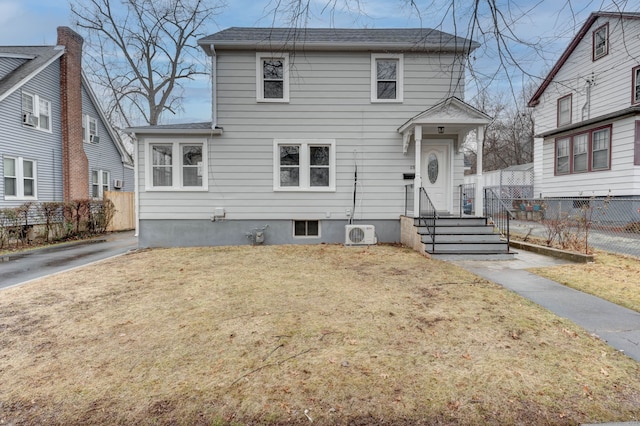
[[551, 23]]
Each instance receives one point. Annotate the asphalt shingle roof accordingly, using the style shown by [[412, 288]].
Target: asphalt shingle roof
[[408, 39], [35, 58]]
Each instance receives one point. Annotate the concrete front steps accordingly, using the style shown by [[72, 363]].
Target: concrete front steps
[[464, 238]]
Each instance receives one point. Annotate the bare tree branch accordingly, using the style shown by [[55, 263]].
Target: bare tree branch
[[141, 52]]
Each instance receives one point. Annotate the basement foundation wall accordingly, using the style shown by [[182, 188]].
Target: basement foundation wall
[[203, 233], [410, 237]]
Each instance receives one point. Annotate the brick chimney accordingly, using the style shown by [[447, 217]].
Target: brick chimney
[[75, 165]]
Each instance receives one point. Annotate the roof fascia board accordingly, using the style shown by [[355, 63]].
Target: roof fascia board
[[137, 131], [311, 46], [627, 112]]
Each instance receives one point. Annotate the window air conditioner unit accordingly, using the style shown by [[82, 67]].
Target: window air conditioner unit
[[94, 139], [118, 183], [29, 119], [360, 235]]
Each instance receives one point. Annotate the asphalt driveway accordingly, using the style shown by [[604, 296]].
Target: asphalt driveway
[[26, 266]]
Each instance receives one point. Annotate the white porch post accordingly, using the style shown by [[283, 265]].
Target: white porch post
[[417, 180], [479, 202]]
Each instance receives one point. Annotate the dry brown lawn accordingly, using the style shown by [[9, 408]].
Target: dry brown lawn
[[615, 278], [296, 335]]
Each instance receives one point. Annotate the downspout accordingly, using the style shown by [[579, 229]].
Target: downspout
[[136, 189], [586, 109], [214, 87]]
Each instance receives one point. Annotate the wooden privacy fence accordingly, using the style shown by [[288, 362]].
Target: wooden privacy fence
[[124, 216]]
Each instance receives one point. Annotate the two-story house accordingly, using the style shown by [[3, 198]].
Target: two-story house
[[56, 142], [587, 113], [312, 130]]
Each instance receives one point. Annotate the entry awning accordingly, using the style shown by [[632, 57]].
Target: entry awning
[[452, 115]]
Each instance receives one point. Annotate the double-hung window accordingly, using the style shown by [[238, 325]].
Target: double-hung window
[[564, 110], [584, 152], [36, 112], [600, 143], [562, 156], [89, 129], [581, 153], [304, 165], [635, 85], [177, 166], [601, 42], [19, 178], [387, 72], [99, 183], [272, 77]]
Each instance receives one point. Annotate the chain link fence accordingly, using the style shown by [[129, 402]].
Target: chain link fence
[[582, 224]]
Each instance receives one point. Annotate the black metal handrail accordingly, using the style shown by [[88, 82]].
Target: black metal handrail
[[427, 216], [498, 213]]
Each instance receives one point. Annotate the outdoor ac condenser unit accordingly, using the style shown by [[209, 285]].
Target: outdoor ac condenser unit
[[360, 235]]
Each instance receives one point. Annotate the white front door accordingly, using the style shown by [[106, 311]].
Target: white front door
[[436, 172]]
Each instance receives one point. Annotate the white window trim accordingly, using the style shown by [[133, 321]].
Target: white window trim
[[36, 112], [101, 182], [20, 179], [293, 230], [176, 166], [305, 185], [86, 124], [260, 80], [400, 77]]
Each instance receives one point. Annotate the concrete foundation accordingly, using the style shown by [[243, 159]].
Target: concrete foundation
[[194, 233]]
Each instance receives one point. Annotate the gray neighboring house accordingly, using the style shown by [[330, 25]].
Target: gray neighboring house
[[313, 132], [56, 143]]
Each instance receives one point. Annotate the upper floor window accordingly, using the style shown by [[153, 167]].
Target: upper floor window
[[584, 152], [272, 72], [635, 85], [564, 110], [177, 166], [19, 178], [387, 72], [601, 42], [99, 183], [90, 129], [304, 165], [36, 112]]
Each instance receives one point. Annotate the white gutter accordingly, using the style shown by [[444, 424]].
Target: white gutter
[[214, 87], [136, 191]]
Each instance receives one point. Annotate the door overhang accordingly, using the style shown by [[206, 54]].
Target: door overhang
[[451, 117]]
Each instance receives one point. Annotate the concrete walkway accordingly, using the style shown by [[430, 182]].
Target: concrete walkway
[[617, 326]]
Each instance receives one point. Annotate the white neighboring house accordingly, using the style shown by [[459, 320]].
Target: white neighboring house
[[311, 129], [587, 113]]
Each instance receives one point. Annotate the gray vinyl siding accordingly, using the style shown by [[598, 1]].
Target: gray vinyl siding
[[104, 155], [17, 140], [329, 99]]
